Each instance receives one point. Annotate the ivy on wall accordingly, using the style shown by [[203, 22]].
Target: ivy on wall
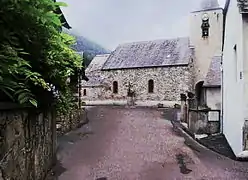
[[35, 56]]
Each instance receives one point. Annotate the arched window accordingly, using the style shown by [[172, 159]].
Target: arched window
[[115, 87], [84, 93], [150, 86]]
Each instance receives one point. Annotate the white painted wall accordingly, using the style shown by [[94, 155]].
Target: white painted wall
[[233, 116], [205, 49], [245, 65], [213, 98]]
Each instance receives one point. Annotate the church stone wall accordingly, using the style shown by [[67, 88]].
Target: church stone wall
[[169, 82], [92, 93]]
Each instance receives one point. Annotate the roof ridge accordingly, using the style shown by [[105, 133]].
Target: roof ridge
[[155, 40]]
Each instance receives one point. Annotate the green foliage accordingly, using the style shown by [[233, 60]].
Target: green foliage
[[66, 102], [34, 52]]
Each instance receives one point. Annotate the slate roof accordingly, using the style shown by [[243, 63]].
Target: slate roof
[[209, 4], [157, 53], [93, 81], [213, 77], [97, 63], [206, 5]]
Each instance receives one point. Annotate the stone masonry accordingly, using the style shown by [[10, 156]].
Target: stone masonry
[[167, 63], [169, 82], [27, 144], [28, 141]]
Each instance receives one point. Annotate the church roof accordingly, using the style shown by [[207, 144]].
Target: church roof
[[206, 5], [157, 53], [209, 4], [213, 77], [94, 80], [97, 63]]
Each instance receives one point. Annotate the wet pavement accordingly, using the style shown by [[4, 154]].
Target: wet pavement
[[137, 144]]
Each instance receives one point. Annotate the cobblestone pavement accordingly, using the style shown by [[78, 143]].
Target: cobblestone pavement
[[137, 144]]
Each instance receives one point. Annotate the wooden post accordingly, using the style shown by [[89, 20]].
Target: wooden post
[[183, 106]]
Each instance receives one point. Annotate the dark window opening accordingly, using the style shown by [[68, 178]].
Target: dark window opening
[[115, 87], [205, 28], [84, 93], [150, 86], [205, 33]]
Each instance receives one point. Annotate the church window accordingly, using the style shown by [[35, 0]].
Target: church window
[[84, 92], [115, 87], [150, 86]]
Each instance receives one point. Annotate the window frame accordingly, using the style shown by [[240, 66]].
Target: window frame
[[84, 92], [115, 87], [150, 86]]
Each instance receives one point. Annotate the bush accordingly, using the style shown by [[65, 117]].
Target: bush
[[35, 56]]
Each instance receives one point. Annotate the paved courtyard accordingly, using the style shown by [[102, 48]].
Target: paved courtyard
[[137, 144]]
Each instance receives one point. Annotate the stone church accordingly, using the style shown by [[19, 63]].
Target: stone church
[[160, 70]]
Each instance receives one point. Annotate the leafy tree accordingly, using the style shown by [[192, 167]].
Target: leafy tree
[[35, 56]]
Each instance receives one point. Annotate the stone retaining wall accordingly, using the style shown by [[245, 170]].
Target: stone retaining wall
[[199, 122], [66, 123], [27, 144], [28, 141]]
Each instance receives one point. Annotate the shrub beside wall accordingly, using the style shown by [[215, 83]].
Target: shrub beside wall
[[75, 119]]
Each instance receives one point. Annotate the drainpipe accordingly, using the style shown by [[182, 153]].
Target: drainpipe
[[222, 97]]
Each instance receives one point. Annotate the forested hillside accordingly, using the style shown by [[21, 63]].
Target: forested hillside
[[90, 49]]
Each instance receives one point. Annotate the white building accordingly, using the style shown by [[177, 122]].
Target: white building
[[235, 75]]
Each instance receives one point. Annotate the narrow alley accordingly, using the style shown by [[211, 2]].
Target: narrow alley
[[136, 144]]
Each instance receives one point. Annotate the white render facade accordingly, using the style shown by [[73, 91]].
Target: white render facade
[[235, 77], [206, 48]]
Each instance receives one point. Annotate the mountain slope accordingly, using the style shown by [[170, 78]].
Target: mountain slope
[[85, 45], [89, 48]]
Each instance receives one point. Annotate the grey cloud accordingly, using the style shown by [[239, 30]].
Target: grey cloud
[[112, 22]]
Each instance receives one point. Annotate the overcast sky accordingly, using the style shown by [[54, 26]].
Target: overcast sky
[[112, 22]]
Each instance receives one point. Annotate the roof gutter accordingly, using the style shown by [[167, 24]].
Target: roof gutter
[[62, 18], [211, 86], [144, 67]]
